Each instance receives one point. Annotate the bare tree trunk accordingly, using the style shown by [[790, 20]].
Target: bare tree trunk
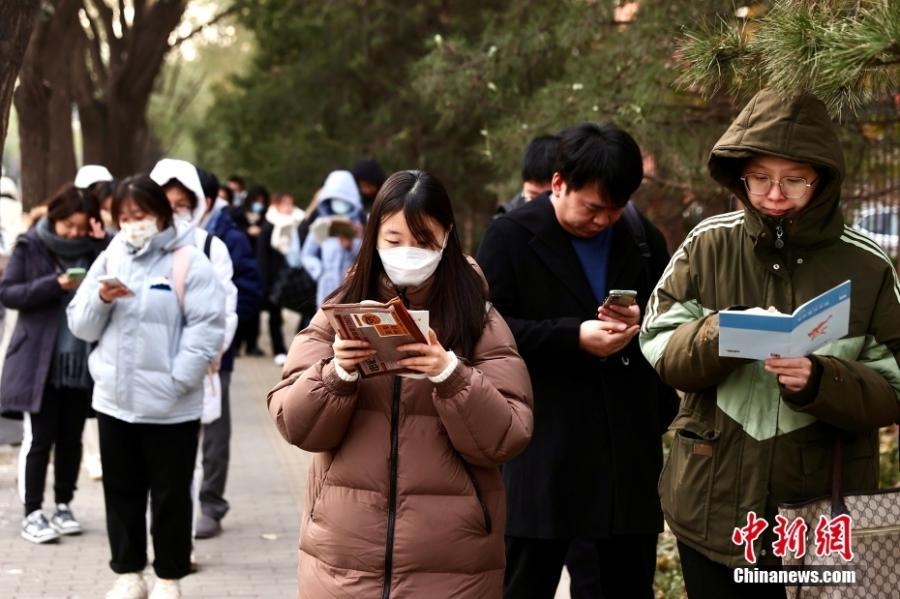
[[113, 105], [17, 18], [44, 104]]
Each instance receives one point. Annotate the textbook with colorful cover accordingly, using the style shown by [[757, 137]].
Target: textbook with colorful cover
[[758, 334], [386, 327]]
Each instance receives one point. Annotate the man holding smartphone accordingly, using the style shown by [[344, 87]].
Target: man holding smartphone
[[586, 486]]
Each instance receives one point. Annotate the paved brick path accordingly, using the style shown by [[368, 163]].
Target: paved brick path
[[256, 555]]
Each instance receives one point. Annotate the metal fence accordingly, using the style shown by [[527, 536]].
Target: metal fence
[[871, 198]]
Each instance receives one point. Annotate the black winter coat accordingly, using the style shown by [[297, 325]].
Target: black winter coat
[[593, 463], [30, 286]]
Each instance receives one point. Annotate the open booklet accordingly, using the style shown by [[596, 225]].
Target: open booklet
[[759, 334], [386, 327]]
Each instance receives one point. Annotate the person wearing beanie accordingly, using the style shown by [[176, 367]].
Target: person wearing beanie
[[369, 178]]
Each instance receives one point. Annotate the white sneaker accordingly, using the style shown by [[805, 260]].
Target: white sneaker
[[166, 589], [280, 359], [128, 586], [36, 529], [64, 522]]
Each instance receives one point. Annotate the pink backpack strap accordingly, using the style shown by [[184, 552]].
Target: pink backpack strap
[[181, 262]]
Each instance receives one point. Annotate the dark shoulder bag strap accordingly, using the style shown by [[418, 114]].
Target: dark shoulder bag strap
[[838, 506], [207, 244], [633, 218]]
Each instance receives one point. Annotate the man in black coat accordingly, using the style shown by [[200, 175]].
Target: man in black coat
[[589, 477]]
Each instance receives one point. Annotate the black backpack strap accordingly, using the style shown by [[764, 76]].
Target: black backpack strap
[[207, 244], [633, 218]]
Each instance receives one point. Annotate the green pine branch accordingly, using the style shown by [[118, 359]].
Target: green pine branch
[[847, 53]]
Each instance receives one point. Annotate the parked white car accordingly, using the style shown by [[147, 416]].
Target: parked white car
[[882, 224]]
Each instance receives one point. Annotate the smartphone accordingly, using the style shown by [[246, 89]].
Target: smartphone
[[620, 297], [111, 281], [76, 274]]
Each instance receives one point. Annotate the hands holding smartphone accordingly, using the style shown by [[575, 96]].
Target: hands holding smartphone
[[615, 327], [620, 306], [111, 288]]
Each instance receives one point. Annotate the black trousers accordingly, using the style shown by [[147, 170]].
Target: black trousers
[[620, 566], [276, 324], [58, 426], [216, 454], [704, 578], [247, 333], [154, 458]]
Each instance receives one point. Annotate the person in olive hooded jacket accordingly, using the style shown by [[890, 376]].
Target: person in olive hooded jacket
[[751, 435]]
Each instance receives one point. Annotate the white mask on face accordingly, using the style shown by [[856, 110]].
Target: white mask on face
[[183, 217], [410, 266], [138, 233]]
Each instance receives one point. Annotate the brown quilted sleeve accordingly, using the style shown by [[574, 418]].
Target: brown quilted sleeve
[[486, 407], [311, 405]]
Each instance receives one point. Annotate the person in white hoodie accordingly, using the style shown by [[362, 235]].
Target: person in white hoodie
[[180, 181], [282, 219], [326, 258], [158, 324]]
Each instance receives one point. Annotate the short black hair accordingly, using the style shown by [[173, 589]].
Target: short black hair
[[239, 180], [209, 182], [604, 155], [539, 158], [69, 200], [147, 194]]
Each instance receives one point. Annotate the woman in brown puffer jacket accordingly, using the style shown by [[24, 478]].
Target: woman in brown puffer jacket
[[404, 496]]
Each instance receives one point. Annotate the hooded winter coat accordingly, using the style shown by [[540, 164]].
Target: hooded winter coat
[[327, 261], [404, 498], [153, 353], [742, 442]]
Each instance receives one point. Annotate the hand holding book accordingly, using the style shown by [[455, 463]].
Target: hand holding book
[[431, 358]]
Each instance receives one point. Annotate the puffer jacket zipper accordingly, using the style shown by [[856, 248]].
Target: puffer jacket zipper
[[392, 497], [488, 524]]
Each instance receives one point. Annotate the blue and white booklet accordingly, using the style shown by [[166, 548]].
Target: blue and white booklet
[[758, 334]]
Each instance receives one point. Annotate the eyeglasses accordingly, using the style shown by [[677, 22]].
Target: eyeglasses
[[793, 188]]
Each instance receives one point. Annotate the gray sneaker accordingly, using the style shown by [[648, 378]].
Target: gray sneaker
[[64, 522], [207, 527], [36, 529]]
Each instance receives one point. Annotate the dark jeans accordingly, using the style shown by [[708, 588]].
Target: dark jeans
[[216, 439], [58, 426], [704, 578], [619, 567], [154, 458]]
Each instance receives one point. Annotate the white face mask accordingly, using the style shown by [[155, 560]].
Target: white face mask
[[138, 233], [183, 217], [410, 266]]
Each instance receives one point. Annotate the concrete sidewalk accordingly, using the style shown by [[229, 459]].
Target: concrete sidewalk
[[256, 556]]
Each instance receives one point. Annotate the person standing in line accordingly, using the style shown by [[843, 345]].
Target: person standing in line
[[157, 325], [248, 216], [282, 219], [327, 257], [589, 475], [369, 179], [753, 434], [97, 181], [217, 434], [537, 171], [404, 496], [45, 373]]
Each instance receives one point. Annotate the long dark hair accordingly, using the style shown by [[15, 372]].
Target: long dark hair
[[458, 294]]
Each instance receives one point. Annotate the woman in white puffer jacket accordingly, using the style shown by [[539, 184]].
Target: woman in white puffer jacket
[[157, 333]]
